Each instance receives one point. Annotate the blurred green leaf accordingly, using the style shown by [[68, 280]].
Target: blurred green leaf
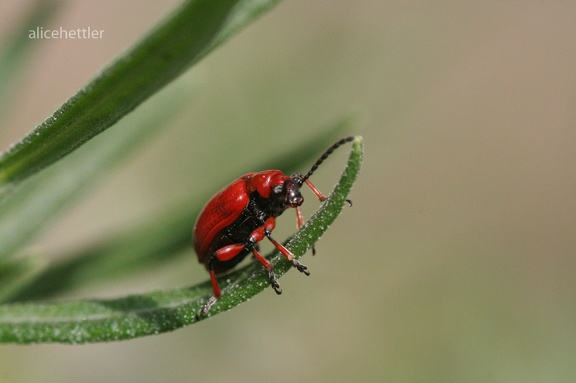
[[27, 209], [191, 32], [156, 312], [17, 273]]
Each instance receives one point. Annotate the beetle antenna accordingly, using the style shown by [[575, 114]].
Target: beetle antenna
[[325, 155]]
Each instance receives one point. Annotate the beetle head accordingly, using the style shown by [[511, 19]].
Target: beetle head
[[275, 190], [287, 193], [292, 186]]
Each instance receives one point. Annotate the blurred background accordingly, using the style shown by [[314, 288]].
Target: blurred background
[[456, 262]]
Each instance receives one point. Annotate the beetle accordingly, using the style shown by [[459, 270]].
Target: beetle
[[244, 213]]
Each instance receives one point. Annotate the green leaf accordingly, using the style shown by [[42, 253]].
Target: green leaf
[[135, 316], [185, 37], [155, 242], [26, 209], [17, 273]]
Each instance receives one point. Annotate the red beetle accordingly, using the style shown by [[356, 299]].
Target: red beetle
[[243, 214]]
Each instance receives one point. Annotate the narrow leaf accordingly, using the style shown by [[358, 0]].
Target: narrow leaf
[[26, 209], [185, 37], [155, 242], [157, 312], [17, 273]]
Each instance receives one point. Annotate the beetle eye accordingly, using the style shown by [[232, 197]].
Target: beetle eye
[[278, 189]]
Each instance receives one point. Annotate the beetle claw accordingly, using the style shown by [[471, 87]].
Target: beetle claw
[[274, 282], [204, 310], [301, 268]]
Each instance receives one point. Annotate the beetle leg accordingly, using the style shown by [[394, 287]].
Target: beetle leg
[[321, 197], [270, 267], [255, 237], [217, 294], [215, 287], [265, 231], [223, 254], [289, 256], [299, 218], [226, 253], [300, 223], [268, 226]]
